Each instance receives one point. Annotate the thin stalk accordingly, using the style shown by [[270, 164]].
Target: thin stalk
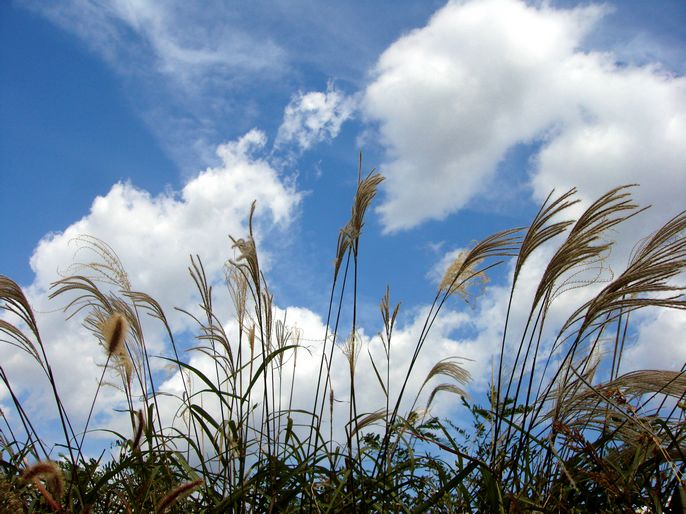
[[26, 422]]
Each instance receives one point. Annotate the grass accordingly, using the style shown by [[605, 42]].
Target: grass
[[561, 430]]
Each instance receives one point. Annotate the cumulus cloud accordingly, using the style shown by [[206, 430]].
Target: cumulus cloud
[[659, 342], [627, 127], [153, 237], [302, 371], [453, 97], [314, 117]]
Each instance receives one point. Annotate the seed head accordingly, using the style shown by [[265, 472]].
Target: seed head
[[114, 331], [50, 472]]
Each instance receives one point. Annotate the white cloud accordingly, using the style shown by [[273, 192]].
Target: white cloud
[[453, 97], [370, 397], [314, 117], [659, 343], [628, 127], [154, 237]]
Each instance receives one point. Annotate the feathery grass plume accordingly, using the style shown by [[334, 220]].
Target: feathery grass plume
[[268, 313], [13, 300], [101, 286], [248, 264], [247, 261], [583, 242], [635, 383], [331, 402], [590, 272], [386, 336], [50, 472], [540, 231], [625, 390], [107, 268], [505, 243], [348, 244], [251, 340], [366, 191], [444, 387], [101, 305], [450, 368], [282, 334], [89, 294], [138, 434], [114, 331], [342, 247], [176, 494], [386, 315], [501, 244], [662, 257], [608, 410], [367, 420], [567, 388], [238, 289], [616, 445], [465, 267], [451, 283], [212, 329], [644, 283], [351, 350]]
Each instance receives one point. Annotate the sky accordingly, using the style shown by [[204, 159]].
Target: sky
[[154, 126]]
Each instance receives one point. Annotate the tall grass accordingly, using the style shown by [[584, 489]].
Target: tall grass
[[560, 430]]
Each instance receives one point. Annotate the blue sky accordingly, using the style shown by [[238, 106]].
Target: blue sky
[[153, 125]]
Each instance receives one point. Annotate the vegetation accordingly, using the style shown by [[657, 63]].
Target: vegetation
[[561, 429]]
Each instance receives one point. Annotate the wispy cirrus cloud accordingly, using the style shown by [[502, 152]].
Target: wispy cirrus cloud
[[187, 70], [187, 45]]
